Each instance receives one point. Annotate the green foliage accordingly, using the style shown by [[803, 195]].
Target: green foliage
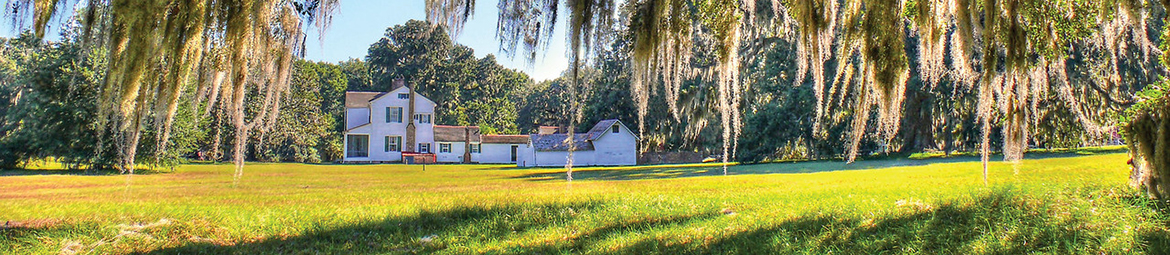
[[310, 124], [49, 97], [357, 75], [545, 105], [778, 121], [154, 49], [1146, 126], [467, 90]]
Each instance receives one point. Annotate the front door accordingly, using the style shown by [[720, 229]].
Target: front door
[[514, 152]]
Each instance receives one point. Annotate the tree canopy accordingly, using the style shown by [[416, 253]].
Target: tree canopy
[[468, 90], [1024, 45], [828, 78]]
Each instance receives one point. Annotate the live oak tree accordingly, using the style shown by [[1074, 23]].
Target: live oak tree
[[467, 90], [156, 49], [1008, 55], [1007, 49]]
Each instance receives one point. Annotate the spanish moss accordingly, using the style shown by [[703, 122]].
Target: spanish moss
[[158, 48]]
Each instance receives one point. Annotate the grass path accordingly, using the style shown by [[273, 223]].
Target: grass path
[[1057, 205]]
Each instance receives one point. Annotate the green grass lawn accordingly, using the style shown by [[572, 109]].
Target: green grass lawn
[[1056, 205]]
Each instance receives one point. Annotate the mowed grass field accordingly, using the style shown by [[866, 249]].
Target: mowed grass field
[[1054, 205]]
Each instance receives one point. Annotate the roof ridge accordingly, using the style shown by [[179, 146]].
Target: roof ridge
[[456, 126]]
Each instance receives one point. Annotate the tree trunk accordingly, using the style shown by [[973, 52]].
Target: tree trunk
[[949, 136], [918, 122], [1148, 136]]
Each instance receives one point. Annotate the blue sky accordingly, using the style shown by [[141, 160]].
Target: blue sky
[[359, 23]]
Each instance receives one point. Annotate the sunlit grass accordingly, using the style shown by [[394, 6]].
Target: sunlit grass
[[1054, 205]]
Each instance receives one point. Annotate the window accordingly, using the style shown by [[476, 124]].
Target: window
[[393, 143], [617, 129], [403, 96], [422, 118], [444, 148], [475, 148], [357, 146], [394, 114], [424, 148]]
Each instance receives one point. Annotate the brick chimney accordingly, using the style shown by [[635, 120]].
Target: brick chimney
[[398, 83], [466, 144], [410, 128]]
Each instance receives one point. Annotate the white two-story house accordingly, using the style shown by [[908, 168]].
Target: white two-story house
[[385, 126], [398, 126]]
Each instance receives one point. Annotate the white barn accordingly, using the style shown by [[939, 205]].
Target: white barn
[[608, 143]]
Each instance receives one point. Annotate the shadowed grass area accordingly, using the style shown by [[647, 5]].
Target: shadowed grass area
[[447, 231], [1055, 205], [1001, 222], [876, 162], [1032, 153]]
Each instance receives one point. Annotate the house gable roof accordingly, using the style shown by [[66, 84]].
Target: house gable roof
[[360, 99], [357, 127], [505, 139], [456, 133], [392, 91], [599, 129], [556, 142], [584, 141], [602, 126]]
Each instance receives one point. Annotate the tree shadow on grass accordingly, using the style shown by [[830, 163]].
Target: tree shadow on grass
[[660, 172], [994, 224], [664, 172], [75, 172], [15, 236], [447, 231], [1001, 222]]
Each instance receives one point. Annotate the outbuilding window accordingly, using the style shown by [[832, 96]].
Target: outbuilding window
[[444, 148], [475, 148]]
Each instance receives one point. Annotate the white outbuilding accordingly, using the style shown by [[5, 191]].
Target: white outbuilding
[[608, 143], [456, 144], [500, 149]]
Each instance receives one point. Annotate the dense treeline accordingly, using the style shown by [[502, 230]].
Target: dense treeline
[[49, 93], [466, 89], [779, 118], [1029, 66], [50, 90]]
